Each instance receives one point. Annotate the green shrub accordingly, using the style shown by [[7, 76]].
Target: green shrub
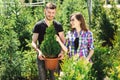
[[75, 69], [50, 47]]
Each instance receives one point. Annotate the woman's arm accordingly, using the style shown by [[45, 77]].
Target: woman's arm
[[90, 45], [61, 44], [90, 54]]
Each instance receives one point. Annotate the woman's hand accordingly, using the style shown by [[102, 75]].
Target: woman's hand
[[64, 48], [57, 38]]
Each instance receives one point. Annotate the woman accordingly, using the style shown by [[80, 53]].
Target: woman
[[79, 40]]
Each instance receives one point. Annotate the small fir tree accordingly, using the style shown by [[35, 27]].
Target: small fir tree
[[50, 47]]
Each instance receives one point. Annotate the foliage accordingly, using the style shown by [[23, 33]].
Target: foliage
[[75, 68], [108, 32], [105, 25], [50, 47], [29, 66], [8, 50], [12, 27], [113, 72], [100, 64], [105, 59]]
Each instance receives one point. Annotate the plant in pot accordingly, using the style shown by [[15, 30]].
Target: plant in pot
[[50, 48]]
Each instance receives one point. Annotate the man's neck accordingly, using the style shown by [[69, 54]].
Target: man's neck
[[48, 22]]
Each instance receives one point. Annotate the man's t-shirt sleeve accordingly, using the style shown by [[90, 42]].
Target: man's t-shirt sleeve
[[36, 29], [60, 29]]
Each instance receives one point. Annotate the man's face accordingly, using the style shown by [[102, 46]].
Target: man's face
[[50, 14]]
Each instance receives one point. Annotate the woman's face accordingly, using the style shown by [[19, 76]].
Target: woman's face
[[74, 22]]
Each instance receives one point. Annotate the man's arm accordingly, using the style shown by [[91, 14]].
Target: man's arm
[[61, 35], [62, 38], [34, 45]]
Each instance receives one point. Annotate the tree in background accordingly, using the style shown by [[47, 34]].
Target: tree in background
[[105, 23], [106, 26]]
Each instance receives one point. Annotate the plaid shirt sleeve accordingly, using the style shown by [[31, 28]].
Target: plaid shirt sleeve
[[67, 40], [90, 40]]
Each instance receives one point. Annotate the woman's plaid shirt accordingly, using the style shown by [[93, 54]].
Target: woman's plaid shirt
[[85, 42]]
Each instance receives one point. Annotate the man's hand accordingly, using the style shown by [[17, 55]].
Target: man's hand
[[61, 56], [40, 55]]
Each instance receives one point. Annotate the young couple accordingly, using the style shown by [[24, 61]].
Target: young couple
[[79, 40]]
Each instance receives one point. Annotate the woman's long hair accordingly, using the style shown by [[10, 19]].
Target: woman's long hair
[[80, 18]]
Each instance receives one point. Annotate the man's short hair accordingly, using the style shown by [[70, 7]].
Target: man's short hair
[[50, 5]]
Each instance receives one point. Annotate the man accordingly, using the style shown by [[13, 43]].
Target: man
[[38, 35]]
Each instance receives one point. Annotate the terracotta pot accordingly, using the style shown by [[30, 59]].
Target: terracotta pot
[[51, 63]]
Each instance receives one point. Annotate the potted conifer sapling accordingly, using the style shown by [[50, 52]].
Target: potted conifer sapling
[[50, 48]]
